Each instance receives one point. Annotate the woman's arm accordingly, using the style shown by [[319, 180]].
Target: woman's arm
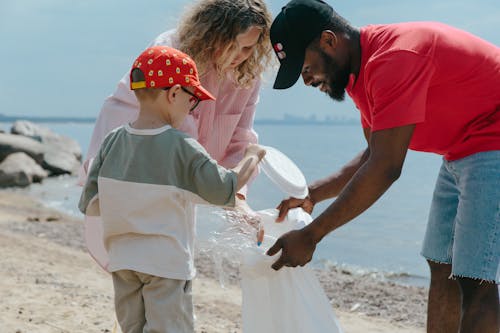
[[244, 133]]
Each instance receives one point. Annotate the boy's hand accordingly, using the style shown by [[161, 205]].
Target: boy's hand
[[246, 167], [249, 216], [242, 206], [256, 150], [246, 223]]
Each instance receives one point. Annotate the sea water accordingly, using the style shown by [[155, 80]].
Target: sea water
[[384, 240]]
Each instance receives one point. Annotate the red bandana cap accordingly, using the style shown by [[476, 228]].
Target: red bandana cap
[[165, 67]]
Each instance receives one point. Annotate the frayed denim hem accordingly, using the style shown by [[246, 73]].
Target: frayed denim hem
[[481, 281]]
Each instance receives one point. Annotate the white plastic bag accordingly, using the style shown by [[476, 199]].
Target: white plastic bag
[[290, 300]]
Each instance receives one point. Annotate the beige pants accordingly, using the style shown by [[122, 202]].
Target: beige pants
[[151, 304]]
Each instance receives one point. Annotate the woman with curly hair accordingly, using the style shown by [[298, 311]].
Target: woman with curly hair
[[229, 41]]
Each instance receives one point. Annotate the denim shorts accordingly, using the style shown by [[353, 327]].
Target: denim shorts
[[464, 220]]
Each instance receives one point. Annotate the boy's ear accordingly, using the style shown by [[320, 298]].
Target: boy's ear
[[173, 92]]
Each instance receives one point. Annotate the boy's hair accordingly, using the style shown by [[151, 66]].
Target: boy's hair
[[212, 26], [136, 75]]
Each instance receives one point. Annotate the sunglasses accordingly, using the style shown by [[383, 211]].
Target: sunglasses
[[194, 100]]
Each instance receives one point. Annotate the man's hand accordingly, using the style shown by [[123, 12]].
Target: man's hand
[[307, 204], [297, 248]]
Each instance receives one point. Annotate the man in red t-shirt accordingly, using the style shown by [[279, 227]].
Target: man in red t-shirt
[[423, 86]]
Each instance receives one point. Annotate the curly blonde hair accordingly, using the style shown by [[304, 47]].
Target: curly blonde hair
[[208, 34]]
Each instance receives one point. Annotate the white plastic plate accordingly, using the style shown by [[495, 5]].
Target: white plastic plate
[[284, 173]]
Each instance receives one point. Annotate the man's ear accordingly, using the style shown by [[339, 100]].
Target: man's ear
[[328, 40]]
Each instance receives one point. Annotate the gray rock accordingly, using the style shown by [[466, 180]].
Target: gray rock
[[47, 137], [59, 162], [10, 144], [62, 154], [19, 169], [29, 129], [65, 145]]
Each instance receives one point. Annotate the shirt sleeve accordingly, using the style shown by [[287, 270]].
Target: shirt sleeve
[[364, 121], [205, 178], [90, 189], [397, 86], [243, 135]]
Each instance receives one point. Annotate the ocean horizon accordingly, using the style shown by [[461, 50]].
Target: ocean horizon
[[286, 119]]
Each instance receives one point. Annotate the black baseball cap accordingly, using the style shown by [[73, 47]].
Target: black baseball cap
[[293, 29]]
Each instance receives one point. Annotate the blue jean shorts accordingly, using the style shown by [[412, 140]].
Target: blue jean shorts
[[464, 220]]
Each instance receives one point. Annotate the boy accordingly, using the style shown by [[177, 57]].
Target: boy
[[145, 181]]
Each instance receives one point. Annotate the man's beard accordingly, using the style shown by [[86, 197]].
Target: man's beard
[[338, 77]]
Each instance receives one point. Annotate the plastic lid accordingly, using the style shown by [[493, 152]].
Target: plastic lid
[[284, 173]]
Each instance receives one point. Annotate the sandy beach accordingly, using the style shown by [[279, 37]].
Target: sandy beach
[[50, 284]]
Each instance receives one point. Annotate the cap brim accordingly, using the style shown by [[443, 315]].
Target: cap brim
[[289, 71], [203, 93]]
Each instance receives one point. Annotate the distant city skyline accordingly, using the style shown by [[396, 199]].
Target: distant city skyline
[[61, 58], [283, 119]]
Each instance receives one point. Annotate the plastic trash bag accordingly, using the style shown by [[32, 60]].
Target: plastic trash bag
[[290, 300]]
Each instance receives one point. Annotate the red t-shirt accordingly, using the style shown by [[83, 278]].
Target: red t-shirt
[[444, 80]]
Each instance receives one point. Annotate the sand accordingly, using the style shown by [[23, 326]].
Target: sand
[[50, 284]]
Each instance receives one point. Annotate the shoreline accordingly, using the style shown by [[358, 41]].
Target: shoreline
[[50, 195], [358, 300]]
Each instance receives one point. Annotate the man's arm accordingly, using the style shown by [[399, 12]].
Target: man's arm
[[387, 152], [383, 167], [328, 187], [331, 186]]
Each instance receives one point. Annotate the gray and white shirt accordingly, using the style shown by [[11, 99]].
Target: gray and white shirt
[[148, 182]]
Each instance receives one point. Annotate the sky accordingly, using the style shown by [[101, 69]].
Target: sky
[[62, 58]]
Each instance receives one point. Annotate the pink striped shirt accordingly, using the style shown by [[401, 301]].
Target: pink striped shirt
[[224, 127]]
